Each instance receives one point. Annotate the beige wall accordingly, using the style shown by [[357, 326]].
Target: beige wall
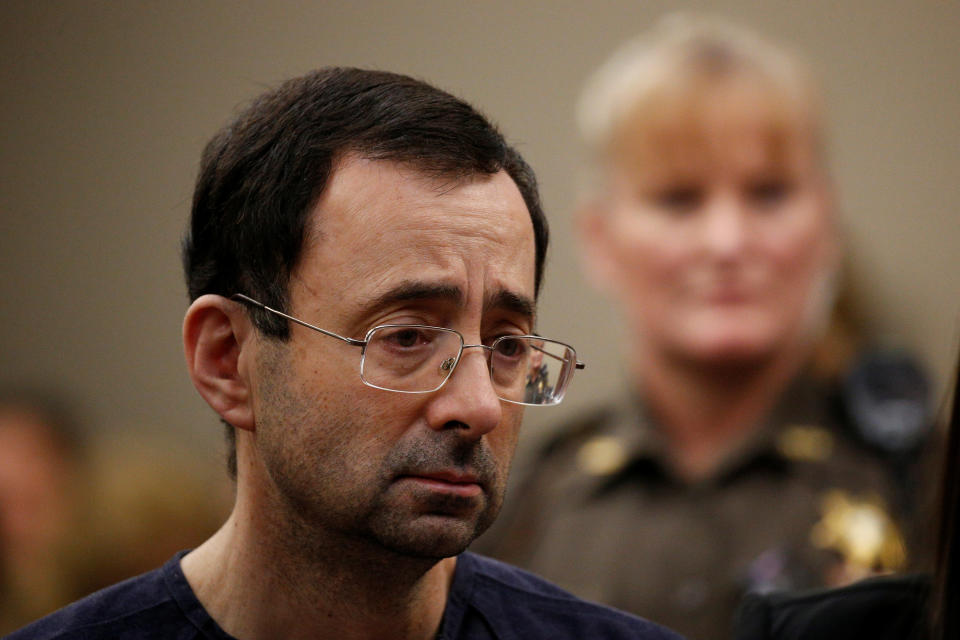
[[104, 107]]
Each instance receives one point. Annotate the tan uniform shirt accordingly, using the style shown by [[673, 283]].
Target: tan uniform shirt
[[599, 512]]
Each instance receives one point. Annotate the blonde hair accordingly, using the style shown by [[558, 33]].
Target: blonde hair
[[684, 53]]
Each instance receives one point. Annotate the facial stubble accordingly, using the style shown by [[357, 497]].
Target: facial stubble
[[337, 468]]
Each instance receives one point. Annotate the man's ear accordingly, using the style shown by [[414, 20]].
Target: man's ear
[[593, 229], [218, 340]]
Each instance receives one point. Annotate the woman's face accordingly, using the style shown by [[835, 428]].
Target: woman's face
[[717, 236]]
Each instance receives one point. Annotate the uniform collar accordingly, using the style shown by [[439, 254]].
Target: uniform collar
[[629, 443]]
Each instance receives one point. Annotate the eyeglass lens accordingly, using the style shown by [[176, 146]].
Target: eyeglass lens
[[416, 359], [531, 370], [409, 358]]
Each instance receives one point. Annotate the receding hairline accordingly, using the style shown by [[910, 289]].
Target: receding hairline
[[440, 182]]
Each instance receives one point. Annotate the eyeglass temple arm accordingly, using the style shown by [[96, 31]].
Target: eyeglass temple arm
[[239, 297], [579, 365]]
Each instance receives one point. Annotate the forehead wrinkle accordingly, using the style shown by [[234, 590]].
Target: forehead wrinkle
[[472, 225]]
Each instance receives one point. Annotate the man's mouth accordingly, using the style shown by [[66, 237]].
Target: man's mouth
[[447, 482]]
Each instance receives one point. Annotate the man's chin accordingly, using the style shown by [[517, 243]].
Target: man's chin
[[432, 536]]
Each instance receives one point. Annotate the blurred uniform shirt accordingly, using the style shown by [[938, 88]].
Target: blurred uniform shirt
[[800, 503]]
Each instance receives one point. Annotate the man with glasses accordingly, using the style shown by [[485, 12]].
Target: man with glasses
[[363, 261]]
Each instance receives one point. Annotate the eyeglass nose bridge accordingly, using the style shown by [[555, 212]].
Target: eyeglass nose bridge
[[448, 366]]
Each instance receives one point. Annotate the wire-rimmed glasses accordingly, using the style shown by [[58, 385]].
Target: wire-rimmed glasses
[[415, 358]]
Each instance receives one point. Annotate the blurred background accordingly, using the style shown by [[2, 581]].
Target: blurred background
[[105, 107]]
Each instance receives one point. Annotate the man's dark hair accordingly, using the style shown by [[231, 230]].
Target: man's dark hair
[[261, 175]]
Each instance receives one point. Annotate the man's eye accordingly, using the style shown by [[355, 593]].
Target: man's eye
[[405, 337], [511, 348], [507, 347]]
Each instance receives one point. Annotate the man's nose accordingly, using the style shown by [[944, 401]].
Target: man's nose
[[468, 400]]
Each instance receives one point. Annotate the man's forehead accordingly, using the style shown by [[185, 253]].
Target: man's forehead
[[363, 191], [385, 235]]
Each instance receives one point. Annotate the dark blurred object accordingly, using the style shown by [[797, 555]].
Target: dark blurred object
[[886, 396], [945, 609], [885, 403], [889, 607]]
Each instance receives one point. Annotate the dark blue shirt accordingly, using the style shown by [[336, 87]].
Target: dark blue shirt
[[488, 600]]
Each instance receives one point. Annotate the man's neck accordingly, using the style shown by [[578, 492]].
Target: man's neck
[[706, 412], [256, 586]]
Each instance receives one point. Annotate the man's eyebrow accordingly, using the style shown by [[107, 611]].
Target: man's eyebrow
[[413, 290], [511, 301], [409, 290]]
